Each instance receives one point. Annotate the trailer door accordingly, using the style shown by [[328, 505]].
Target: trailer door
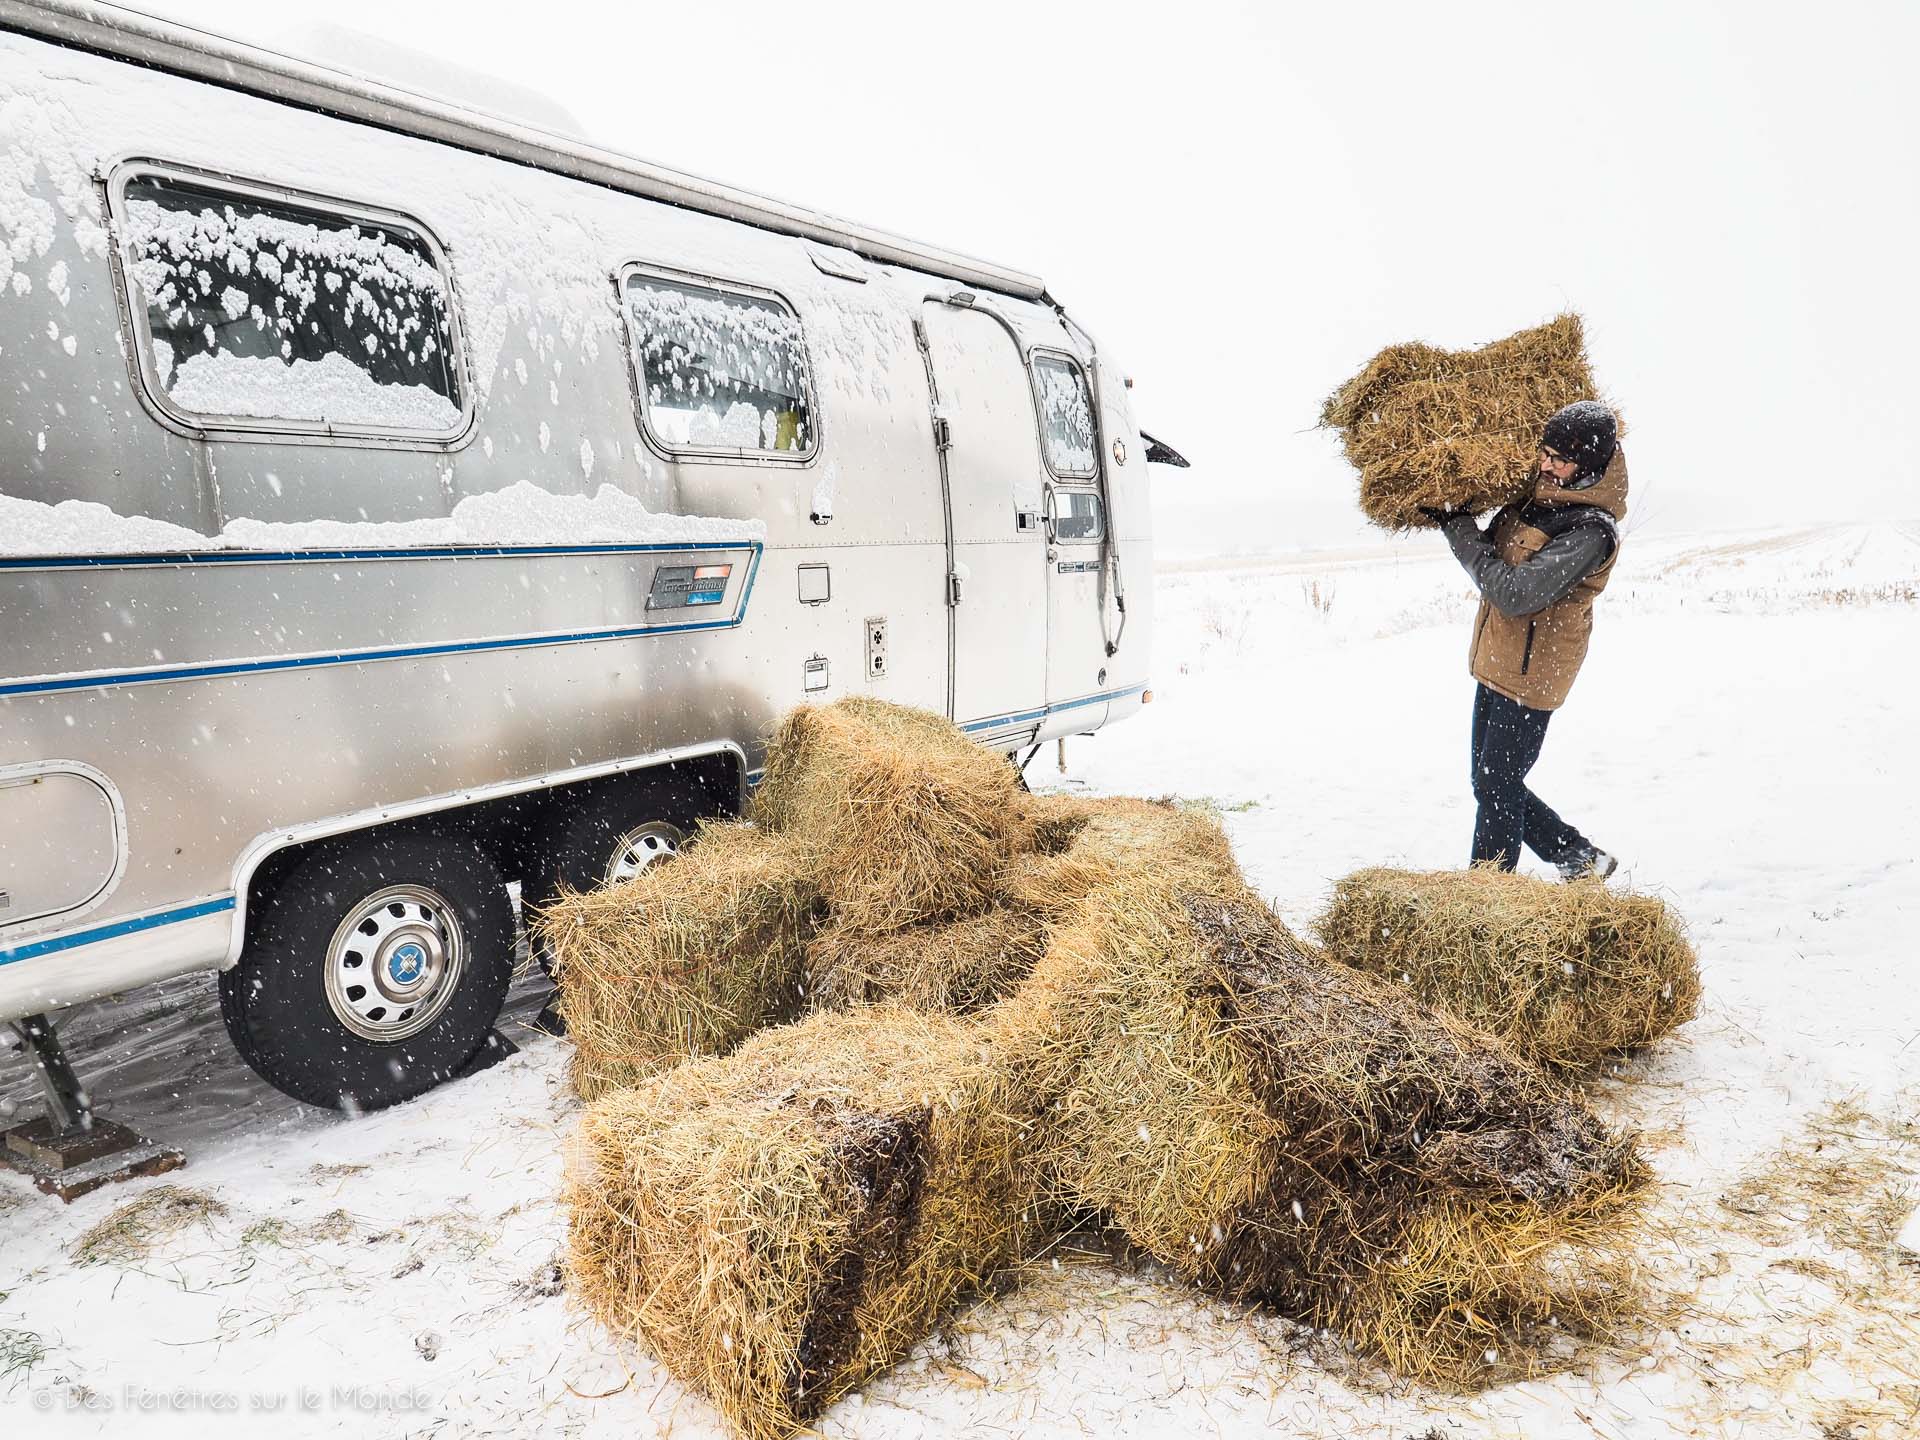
[[1076, 523], [993, 473]]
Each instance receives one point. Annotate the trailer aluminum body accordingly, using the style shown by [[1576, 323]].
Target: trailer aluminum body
[[943, 504]]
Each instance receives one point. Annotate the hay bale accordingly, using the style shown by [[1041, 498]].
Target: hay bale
[[960, 966], [688, 958], [1482, 1290], [781, 1223], [1566, 974], [1084, 843], [953, 967], [1281, 1128], [1057, 817], [1456, 429], [900, 816]]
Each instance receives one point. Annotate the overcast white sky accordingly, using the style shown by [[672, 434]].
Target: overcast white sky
[[1244, 202]]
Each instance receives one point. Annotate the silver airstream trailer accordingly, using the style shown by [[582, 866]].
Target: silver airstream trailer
[[396, 502]]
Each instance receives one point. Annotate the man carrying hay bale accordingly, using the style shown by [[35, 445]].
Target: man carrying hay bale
[[1538, 568], [1453, 430]]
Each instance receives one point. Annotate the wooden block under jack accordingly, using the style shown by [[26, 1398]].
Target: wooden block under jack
[[77, 1162]]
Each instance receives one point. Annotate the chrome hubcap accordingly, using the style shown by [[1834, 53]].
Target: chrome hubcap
[[645, 845], [394, 963]]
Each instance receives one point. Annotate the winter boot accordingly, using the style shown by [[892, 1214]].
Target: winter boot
[[1595, 863]]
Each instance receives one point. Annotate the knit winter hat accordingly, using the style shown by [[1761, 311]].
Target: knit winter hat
[[1582, 432]]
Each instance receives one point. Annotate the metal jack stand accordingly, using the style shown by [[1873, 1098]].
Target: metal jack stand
[[69, 1151]]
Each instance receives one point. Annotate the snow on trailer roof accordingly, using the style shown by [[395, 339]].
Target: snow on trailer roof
[[131, 35]]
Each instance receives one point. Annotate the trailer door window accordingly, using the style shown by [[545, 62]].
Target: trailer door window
[[1066, 415], [1077, 516], [263, 313], [721, 372]]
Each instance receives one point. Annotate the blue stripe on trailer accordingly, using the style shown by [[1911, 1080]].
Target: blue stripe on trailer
[[32, 949], [419, 552], [217, 669], [1020, 717], [347, 657]]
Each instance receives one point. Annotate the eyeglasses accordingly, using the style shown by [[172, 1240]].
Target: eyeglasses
[[1555, 456]]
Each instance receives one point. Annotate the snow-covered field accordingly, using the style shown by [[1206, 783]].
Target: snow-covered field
[[1743, 737]]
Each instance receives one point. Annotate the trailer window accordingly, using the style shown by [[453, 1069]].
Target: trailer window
[[1077, 516], [1066, 415], [259, 309], [720, 371]]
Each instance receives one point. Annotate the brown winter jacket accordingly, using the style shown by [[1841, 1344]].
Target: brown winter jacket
[[1534, 658]]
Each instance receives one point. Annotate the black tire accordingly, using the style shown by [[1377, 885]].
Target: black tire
[[581, 839], [276, 1002]]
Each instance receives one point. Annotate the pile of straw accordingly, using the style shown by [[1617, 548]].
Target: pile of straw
[[1456, 430], [1566, 974], [688, 958], [1278, 1127], [1027, 1007], [899, 817], [778, 1224]]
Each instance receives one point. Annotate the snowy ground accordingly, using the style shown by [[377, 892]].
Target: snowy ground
[[1744, 737]]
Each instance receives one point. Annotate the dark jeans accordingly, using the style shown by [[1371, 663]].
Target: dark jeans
[[1506, 741]]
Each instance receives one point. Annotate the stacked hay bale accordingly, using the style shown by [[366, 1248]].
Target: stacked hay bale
[[685, 959], [1566, 974], [1074, 845], [1123, 1028], [778, 1224], [899, 817], [1456, 429], [1277, 1127], [873, 872]]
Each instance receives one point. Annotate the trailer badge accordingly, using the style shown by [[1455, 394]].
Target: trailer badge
[[677, 586]]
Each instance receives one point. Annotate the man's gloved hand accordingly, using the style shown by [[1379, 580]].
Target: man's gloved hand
[[1446, 519]]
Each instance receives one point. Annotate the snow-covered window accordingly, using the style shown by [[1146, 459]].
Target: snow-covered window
[[1066, 414], [1077, 516], [720, 371], [262, 313]]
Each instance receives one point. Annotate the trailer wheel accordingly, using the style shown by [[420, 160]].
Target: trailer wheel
[[373, 972], [609, 839]]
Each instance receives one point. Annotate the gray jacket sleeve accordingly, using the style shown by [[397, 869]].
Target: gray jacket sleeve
[[1534, 584]]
